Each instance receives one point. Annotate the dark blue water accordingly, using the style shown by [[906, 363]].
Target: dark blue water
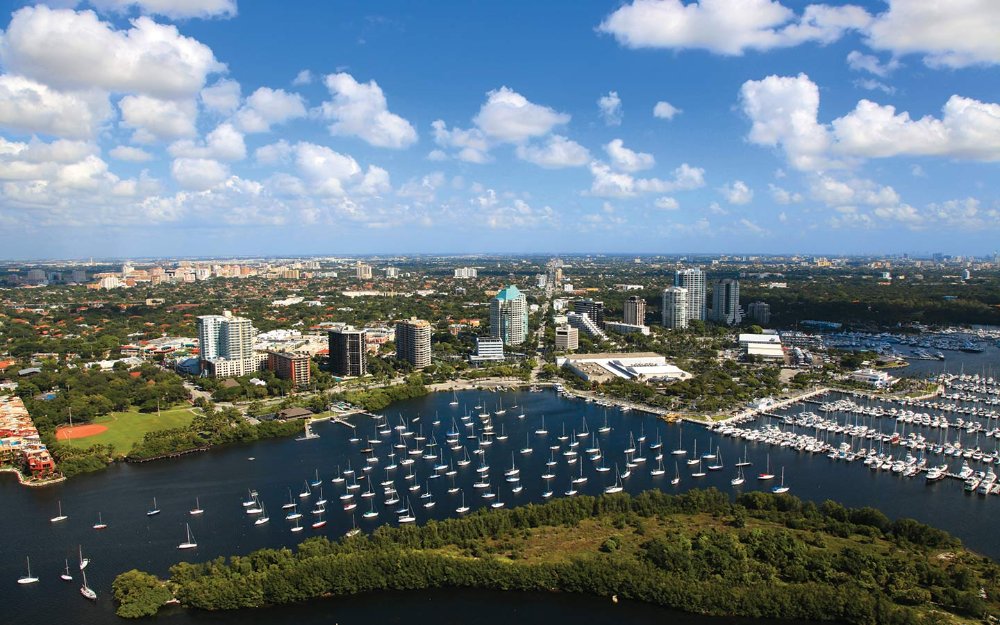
[[220, 479]]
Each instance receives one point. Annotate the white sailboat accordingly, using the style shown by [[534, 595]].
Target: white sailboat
[[696, 459], [745, 462], [296, 528], [780, 488], [83, 561], [189, 543], [100, 525], [66, 577], [85, 590], [454, 398], [617, 486], [462, 509], [677, 475], [197, 508], [658, 471], [371, 514], [680, 451], [29, 578], [604, 429], [60, 517], [699, 472], [319, 522], [154, 510], [739, 479], [263, 518], [541, 431]]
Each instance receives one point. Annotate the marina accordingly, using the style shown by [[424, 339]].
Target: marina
[[456, 465]]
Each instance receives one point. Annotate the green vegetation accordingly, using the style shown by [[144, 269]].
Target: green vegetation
[[125, 429], [379, 398], [762, 556], [139, 594], [211, 427]]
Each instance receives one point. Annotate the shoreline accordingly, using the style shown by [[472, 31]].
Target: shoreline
[[30, 483]]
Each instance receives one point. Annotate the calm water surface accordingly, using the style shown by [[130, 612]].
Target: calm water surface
[[221, 478]]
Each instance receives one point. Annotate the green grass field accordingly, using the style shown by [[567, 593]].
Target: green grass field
[[127, 428]]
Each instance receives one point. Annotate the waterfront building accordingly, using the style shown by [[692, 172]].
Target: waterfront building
[[567, 338], [413, 342], [726, 302], [759, 312], [874, 378], [639, 367], [635, 311], [694, 281], [348, 357], [674, 310], [290, 366], [487, 350], [509, 316], [591, 308]]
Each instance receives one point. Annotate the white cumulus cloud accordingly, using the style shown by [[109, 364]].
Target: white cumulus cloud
[[31, 107], [360, 110], [610, 107], [510, 117], [198, 174], [555, 153], [665, 110], [625, 159], [737, 193], [266, 107]]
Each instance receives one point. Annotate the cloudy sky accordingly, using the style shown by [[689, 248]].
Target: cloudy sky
[[215, 127]]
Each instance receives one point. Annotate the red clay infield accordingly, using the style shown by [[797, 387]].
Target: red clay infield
[[79, 431]]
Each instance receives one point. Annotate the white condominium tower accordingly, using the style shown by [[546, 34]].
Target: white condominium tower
[[225, 336], [694, 281], [509, 316], [675, 315]]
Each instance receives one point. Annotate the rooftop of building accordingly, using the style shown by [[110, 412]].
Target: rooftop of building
[[509, 293]]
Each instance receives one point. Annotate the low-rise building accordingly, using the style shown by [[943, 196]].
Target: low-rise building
[[640, 367], [488, 350], [873, 378], [585, 324], [619, 327]]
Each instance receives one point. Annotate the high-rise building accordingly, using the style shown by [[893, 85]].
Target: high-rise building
[[726, 302], [635, 311], [759, 312], [509, 316], [585, 324], [225, 336], [675, 315], [363, 271], [413, 342], [391, 272], [464, 273], [348, 357], [290, 366], [567, 338], [694, 281], [594, 310], [225, 345]]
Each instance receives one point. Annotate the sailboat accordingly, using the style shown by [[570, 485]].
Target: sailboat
[[320, 522], [563, 437], [745, 462], [541, 431], [680, 451], [696, 459], [100, 525], [407, 515], [699, 472], [617, 486], [462, 509], [154, 510], [316, 481], [780, 488], [85, 590], [717, 465], [305, 491], [677, 475], [294, 514], [454, 398], [500, 410], [739, 479], [354, 531], [197, 508], [766, 475], [371, 514], [189, 543], [263, 518], [60, 517], [83, 561], [296, 528], [497, 503], [604, 429], [658, 471], [527, 445], [66, 577], [548, 489], [28, 579]]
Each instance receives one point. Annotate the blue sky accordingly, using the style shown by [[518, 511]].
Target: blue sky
[[211, 127]]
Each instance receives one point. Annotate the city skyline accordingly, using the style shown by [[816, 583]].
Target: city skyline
[[758, 127]]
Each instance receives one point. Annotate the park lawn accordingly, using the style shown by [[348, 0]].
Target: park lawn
[[127, 428]]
